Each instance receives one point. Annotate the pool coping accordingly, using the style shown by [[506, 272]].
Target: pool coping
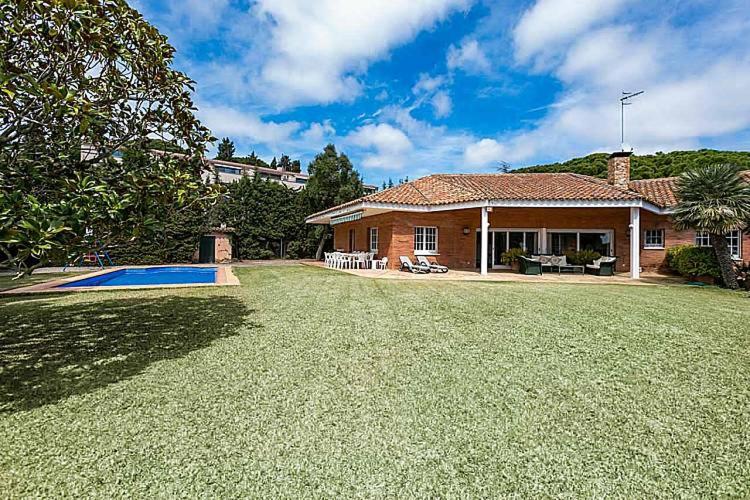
[[224, 277]]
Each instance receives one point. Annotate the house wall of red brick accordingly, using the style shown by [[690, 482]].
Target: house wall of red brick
[[656, 259], [457, 250]]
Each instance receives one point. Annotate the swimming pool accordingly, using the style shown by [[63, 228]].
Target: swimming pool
[[166, 275]]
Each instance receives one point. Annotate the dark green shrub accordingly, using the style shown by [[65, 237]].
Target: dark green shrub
[[581, 258], [264, 214], [690, 260], [175, 242]]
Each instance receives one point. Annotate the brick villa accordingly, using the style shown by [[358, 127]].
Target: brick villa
[[453, 217]]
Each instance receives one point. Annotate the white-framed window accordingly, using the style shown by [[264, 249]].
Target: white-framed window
[[653, 238], [734, 240], [374, 239], [702, 239], [560, 241], [425, 239]]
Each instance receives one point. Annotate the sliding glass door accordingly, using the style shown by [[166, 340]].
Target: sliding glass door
[[502, 240], [561, 241], [499, 245]]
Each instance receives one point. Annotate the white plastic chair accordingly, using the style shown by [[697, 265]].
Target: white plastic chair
[[362, 261]]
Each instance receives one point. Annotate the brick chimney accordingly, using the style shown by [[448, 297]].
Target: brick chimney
[[618, 169]]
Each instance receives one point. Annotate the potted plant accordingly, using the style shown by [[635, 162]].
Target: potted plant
[[510, 258], [582, 257]]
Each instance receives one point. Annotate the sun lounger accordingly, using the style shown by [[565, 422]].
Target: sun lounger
[[434, 266], [407, 265]]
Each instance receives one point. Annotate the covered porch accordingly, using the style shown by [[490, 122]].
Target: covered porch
[[475, 238], [611, 234]]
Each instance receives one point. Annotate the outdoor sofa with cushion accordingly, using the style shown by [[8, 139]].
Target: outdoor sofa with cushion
[[559, 262], [604, 266], [434, 266], [408, 266], [530, 266], [551, 261]]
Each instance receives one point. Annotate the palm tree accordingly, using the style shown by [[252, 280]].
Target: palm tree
[[715, 199]]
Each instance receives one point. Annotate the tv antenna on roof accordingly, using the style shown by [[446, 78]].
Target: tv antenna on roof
[[503, 167], [624, 101]]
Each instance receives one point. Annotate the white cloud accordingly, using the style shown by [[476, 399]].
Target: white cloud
[[436, 148], [551, 22], [226, 121], [430, 89], [318, 49], [672, 114], [389, 143], [428, 84], [613, 57], [469, 57], [317, 132], [442, 104], [196, 16], [694, 75], [484, 152]]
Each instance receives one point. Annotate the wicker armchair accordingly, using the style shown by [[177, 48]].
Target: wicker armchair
[[529, 266]]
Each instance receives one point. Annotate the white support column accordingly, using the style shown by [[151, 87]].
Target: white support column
[[543, 240], [635, 243], [484, 225]]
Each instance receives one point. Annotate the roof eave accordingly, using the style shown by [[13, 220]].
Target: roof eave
[[325, 216]]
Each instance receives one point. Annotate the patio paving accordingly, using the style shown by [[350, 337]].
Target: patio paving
[[510, 276]]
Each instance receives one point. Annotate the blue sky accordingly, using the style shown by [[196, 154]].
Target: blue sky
[[425, 86]]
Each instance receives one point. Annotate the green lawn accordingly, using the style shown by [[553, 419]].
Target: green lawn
[[307, 382], [7, 282]]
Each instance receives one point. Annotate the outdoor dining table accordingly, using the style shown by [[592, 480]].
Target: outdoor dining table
[[354, 258]]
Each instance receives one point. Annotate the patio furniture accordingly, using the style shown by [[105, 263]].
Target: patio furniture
[[550, 261], [604, 266], [361, 260], [342, 260], [406, 264], [434, 266], [572, 267], [380, 264], [530, 266]]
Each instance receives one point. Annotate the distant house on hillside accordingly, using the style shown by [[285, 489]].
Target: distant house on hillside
[[229, 171]]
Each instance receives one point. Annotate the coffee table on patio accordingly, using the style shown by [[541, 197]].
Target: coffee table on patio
[[570, 266]]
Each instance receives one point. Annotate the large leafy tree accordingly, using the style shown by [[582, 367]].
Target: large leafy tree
[[176, 236], [333, 181], [226, 150], [715, 199], [263, 213], [79, 81]]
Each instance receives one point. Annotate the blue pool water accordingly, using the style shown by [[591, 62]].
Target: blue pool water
[[174, 275]]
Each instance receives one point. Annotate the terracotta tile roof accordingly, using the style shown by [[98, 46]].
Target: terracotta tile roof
[[442, 189], [662, 192]]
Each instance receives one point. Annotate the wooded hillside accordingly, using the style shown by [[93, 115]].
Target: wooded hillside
[[646, 166]]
